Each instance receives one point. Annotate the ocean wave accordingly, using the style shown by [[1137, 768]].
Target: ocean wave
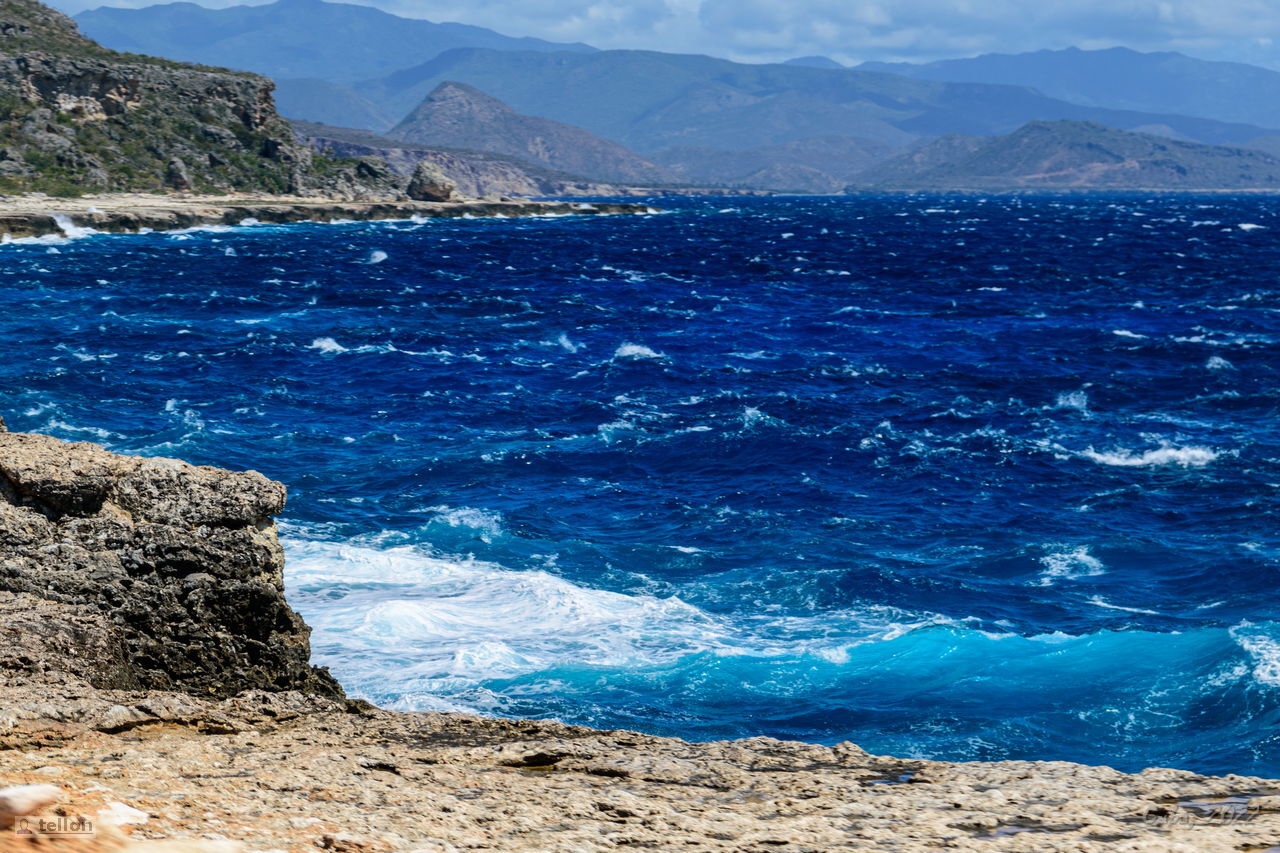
[[1165, 455], [393, 620], [636, 351], [1072, 565]]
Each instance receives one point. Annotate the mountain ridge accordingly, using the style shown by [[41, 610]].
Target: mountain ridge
[[460, 116], [1072, 155], [288, 39], [1121, 78]]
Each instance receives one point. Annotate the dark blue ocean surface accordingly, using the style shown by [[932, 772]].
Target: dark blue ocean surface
[[958, 477]]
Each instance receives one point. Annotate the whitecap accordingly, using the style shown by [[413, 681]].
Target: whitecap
[[1077, 400], [636, 351], [414, 628], [1250, 226], [328, 345], [1186, 457], [1217, 362], [1263, 651], [1070, 565], [1125, 333], [377, 256]]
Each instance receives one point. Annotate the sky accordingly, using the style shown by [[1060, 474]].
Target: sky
[[855, 30]]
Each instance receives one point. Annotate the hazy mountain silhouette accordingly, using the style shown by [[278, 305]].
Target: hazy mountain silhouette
[[292, 38], [1119, 78]]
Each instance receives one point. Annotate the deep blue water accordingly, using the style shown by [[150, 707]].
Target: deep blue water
[[953, 477]]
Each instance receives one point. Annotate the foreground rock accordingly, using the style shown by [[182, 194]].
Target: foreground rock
[[152, 674], [28, 216], [144, 573]]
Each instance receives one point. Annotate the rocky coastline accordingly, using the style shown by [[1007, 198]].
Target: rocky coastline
[[156, 697], [38, 216]]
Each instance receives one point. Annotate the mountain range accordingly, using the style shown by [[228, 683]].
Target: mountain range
[[1119, 78], [809, 125], [1072, 155]]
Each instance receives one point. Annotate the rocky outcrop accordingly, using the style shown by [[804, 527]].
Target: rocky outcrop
[[37, 217], [290, 772], [475, 174], [430, 183], [75, 117], [456, 115], [145, 573]]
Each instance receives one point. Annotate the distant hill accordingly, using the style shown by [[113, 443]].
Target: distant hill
[[814, 62], [76, 117], [293, 38], [460, 116], [820, 164], [1070, 155], [475, 173], [651, 101], [1119, 78]]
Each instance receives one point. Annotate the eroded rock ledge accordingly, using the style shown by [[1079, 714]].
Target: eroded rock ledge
[[144, 573], [151, 669], [37, 217]]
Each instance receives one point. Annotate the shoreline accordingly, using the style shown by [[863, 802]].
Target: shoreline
[[135, 694], [32, 216]]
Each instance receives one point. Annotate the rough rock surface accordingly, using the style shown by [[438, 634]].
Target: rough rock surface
[[475, 173], [30, 216], [289, 772], [75, 116], [456, 115], [146, 573], [122, 575], [429, 183]]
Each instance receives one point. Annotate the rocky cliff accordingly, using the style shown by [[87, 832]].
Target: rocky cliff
[[455, 115], [144, 573], [76, 117], [475, 173]]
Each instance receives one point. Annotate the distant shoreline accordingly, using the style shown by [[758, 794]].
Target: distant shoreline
[[39, 216]]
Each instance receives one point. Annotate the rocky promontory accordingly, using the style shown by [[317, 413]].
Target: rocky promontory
[[155, 683], [37, 216]]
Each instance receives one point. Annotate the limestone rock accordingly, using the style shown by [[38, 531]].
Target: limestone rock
[[153, 573], [429, 183]]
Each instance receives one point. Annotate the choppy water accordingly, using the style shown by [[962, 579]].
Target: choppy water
[[948, 477]]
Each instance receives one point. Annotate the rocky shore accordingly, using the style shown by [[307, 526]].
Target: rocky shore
[[37, 216], [155, 682]]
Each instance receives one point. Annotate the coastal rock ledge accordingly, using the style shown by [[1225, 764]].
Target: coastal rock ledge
[[154, 681]]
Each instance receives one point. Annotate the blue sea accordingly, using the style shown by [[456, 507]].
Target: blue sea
[[949, 477]]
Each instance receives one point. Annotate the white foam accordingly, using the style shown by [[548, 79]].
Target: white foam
[[328, 345], [1070, 565], [485, 522], [636, 351], [1125, 333], [1217, 362], [1186, 457], [377, 256], [1250, 226], [70, 229], [1099, 601], [401, 621], [1263, 651], [1077, 400]]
